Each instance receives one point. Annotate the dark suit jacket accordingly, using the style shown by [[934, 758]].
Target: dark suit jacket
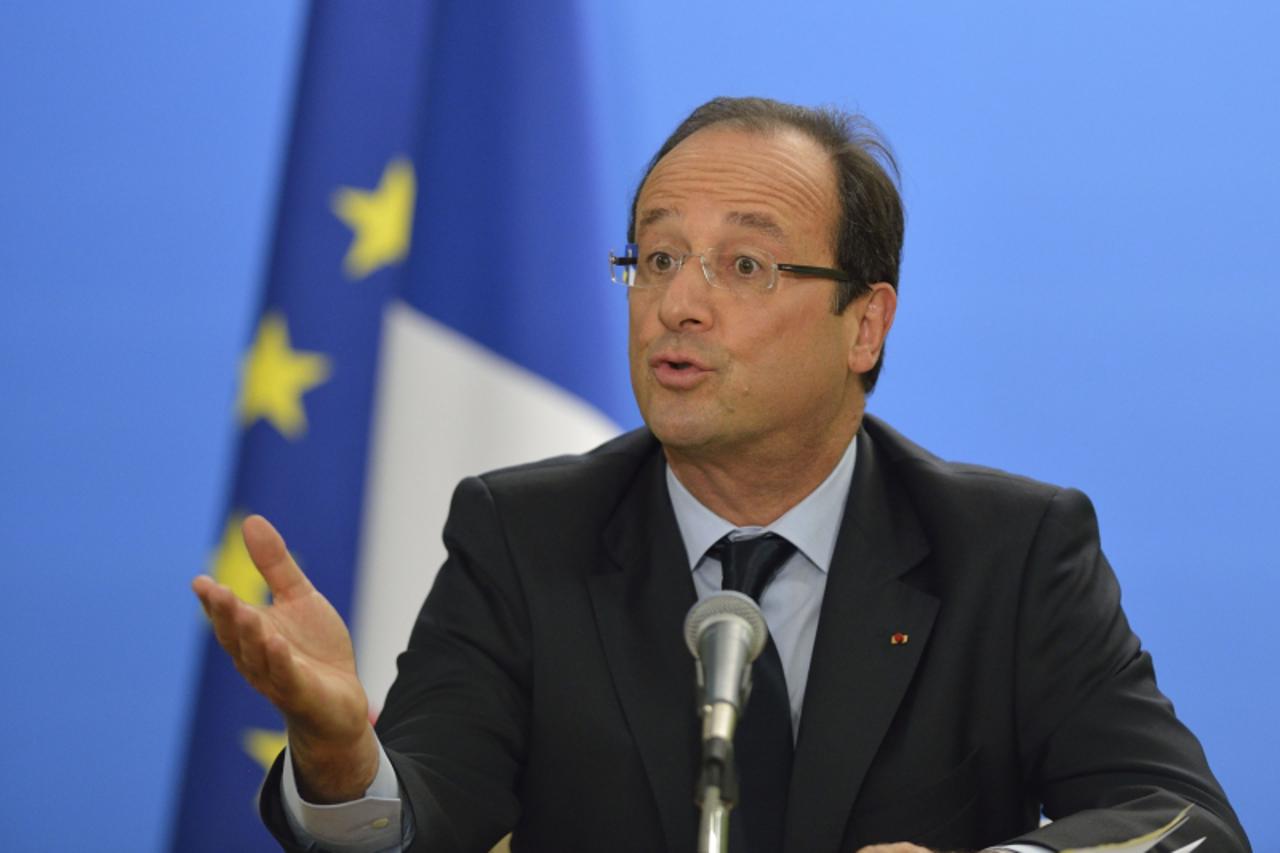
[[547, 688]]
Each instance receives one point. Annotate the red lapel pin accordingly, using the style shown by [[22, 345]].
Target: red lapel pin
[[899, 639]]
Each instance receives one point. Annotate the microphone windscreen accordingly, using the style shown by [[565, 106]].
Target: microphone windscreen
[[722, 605]]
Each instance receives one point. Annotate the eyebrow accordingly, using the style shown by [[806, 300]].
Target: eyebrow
[[759, 222], [756, 221], [653, 216]]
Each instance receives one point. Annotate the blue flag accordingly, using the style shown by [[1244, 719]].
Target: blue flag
[[436, 305]]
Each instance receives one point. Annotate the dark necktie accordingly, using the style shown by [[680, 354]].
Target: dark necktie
[[763, 742]]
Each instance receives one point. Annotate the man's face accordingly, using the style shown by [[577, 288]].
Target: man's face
[[715, 370]]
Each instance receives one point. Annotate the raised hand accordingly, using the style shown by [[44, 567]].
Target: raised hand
[[297, 652]]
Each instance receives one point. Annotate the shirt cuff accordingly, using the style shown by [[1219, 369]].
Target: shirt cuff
[[1018, 848], [368, 825]]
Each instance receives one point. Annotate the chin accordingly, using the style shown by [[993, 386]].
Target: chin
[[680, 433]]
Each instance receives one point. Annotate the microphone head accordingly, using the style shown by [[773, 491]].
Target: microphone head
[[722, 606]]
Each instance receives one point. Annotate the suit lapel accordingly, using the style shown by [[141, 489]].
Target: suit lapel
[[858, 676], [640, 599]]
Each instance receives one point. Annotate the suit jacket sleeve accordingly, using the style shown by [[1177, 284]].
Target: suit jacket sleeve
[[1101, 743], [454, 721]]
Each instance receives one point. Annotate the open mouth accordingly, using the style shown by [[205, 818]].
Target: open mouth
[[676, 362], [678, 373]]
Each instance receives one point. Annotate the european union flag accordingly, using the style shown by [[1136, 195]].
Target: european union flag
[[435, 306]]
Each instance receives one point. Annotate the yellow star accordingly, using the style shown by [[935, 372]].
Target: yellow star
[[232, 566], [273, 378], [263, 745], [381, 219]]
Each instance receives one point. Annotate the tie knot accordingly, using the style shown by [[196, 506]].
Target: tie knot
[[749, 564]]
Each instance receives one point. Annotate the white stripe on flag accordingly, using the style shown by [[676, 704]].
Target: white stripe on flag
[[446, 408]]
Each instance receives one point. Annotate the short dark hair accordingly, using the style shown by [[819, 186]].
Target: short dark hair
[[870, 224]]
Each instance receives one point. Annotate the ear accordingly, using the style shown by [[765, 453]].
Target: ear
[[874, 315]]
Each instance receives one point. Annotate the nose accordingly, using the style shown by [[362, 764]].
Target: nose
[[685, 302]]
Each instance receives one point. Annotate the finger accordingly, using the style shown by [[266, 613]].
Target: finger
[[222, 606], [261, 655], [267, 550], [202, 585], [251, 628], [283, 672], [896, 847]]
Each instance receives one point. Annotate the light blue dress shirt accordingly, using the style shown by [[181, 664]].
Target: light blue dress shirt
[[791, 604], [793, 599]]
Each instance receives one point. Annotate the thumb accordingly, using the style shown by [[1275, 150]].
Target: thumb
[[267, 550]]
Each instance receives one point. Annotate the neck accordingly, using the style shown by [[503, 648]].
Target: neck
[[755, 486]]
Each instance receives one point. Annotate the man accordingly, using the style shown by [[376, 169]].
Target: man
[[948, 640]]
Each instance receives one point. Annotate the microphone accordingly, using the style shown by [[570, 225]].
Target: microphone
[[725, 632]]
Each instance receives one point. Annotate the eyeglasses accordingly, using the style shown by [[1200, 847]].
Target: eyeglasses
[[743, 269]]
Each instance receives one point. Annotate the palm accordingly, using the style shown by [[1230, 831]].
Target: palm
[[321, 648]]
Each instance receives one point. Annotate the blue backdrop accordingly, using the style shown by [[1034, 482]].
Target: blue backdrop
[[1088, 297]]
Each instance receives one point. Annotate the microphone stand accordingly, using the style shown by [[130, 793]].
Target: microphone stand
[[717, 790], [713, 828]]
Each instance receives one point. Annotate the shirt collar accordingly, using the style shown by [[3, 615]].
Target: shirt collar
[[811, 525]]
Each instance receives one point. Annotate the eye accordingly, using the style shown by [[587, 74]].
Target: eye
[[660, 263], [745, 266]]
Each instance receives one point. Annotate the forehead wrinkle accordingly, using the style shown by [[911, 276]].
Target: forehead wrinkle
[[778, 181]]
